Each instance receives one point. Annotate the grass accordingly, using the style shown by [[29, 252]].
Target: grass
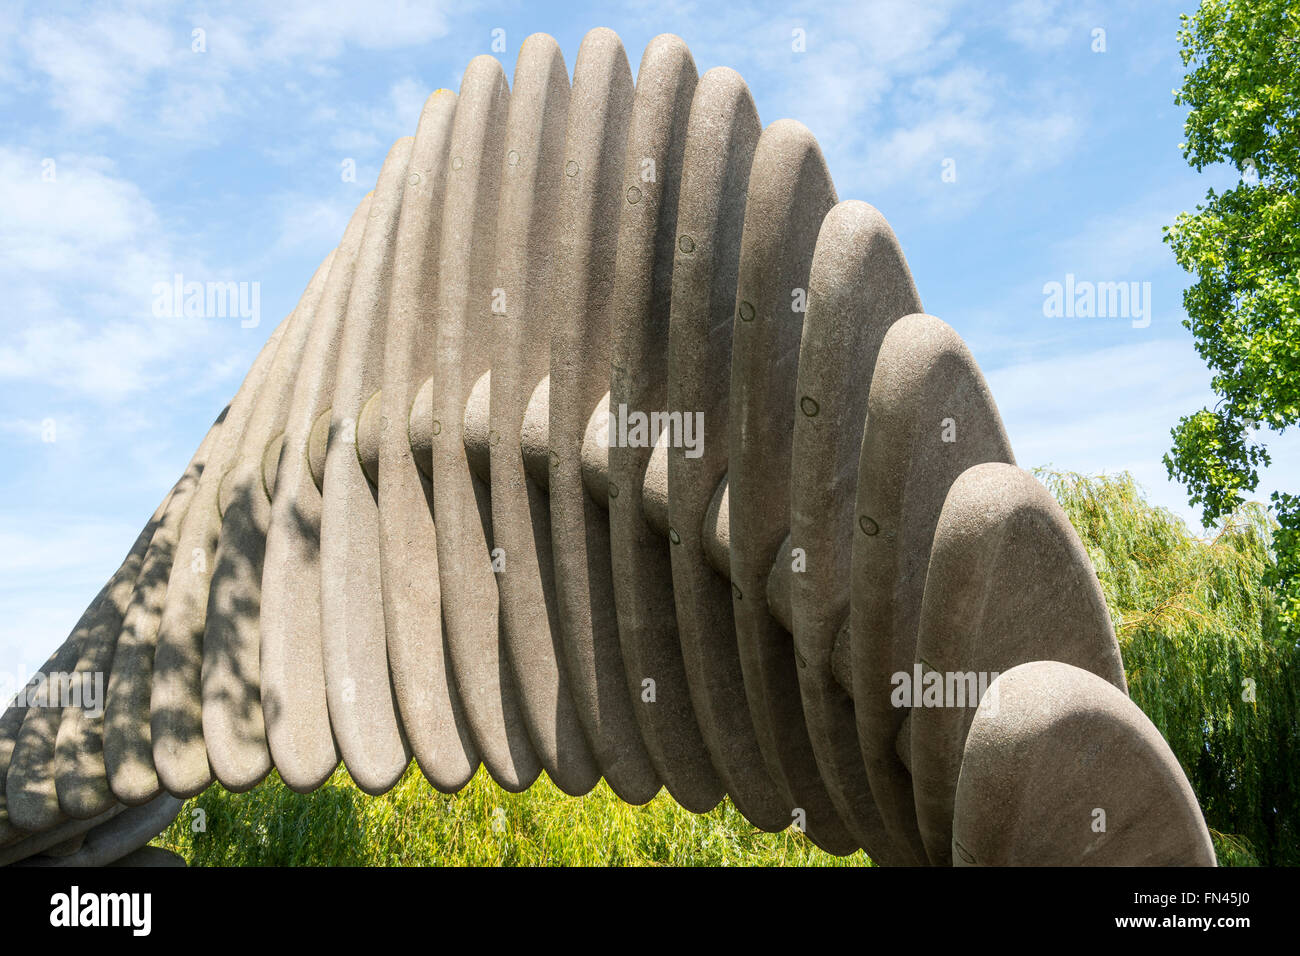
[[415, 825]]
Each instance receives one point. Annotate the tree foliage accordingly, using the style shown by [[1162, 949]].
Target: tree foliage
[[1243, 248], [1205, 655]]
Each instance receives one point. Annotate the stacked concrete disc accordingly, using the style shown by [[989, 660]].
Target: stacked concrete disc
[[609, 443]]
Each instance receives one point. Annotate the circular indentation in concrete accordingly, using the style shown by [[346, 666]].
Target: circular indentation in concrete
[[437, 427], [512, 157], [413, 179], [613, 490], [571, 167], [673, 536], [457, 163], [746, 312], [686, 244], [634, 195], [809, 406], [868, 526], [798, 656], [735, 591]]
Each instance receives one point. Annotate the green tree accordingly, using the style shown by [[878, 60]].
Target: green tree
[[1243, 247], [1203, 655]]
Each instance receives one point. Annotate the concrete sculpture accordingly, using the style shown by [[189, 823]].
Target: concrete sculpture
[[609, 443]]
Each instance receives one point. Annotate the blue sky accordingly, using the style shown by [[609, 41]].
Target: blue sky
[[226, 165]]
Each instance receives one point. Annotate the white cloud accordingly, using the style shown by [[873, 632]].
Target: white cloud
[[970, 125], [306, 221], [134, 62], [32, 429], [64, 226], [107, 362], [1047, 25], [78, 260], [1035, 24], [408, 96], [324, 28], [886, 89], [95, 65], [190, 109]]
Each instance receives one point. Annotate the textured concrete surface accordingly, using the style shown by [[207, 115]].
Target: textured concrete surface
[[293, 667], [427, 699], [577, 297], [120, 837], [176, 702], [859, 286], [234, 729], [466, 339], [1009, 582], [789, 193], [454, 514], [674, 732], [1067, 771], [363, 713], [521, 527], [128, 739], [924, 377]]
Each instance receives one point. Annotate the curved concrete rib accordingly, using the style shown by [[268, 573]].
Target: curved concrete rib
[[362, 710], [1062, 769], [427, 699], [777, 492], [11, 721], [929, 418], [234, 730], [722, 135], [790, 191], [521, 527], [466, 343], [675, 734], [36, 694], [128, 740], [32, 785], [859, 285], [298, 729], [578, 299], [1009, 583], [176, 702], [82, 776], [117, 837], [64, 837]]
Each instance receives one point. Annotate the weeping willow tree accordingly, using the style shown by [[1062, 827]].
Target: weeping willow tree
[[1206, 657]]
